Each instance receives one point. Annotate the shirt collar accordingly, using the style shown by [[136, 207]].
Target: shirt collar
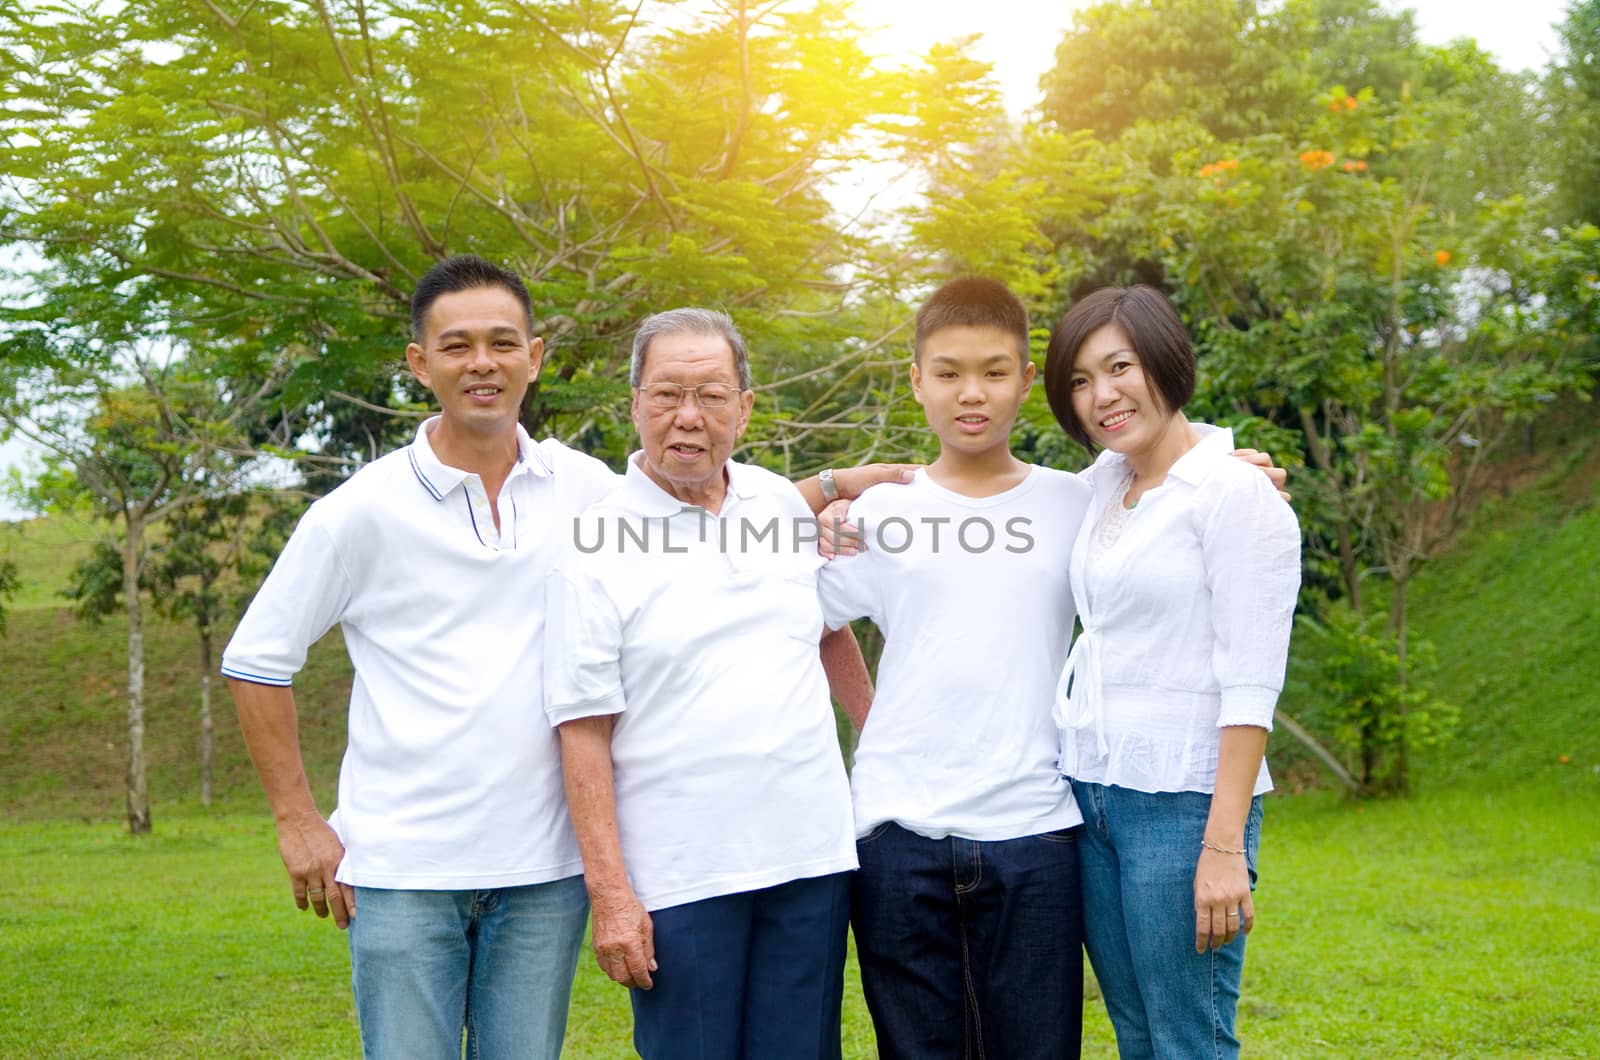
[[439, 478], [642, 496], [1215, 444], [1191, 467]]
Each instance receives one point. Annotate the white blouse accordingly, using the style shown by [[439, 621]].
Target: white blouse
[[1186, 610]]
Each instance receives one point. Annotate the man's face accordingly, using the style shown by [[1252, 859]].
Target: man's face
[[685, 447], [971, 382], [478, 358]]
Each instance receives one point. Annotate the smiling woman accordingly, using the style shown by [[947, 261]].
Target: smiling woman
[[1185, 573]]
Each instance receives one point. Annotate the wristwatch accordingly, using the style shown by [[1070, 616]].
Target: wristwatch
[[830, 488]]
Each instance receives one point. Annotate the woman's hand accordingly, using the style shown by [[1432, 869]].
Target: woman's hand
[[1222, 903]]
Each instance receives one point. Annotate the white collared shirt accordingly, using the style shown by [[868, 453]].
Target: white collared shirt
[[700, 633], [972, 598], [1186, 620], [452, 779]]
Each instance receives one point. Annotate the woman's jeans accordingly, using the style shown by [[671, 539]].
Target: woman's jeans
[[970, 948], [1138, 857]]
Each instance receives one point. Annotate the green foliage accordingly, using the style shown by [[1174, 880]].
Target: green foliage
[[8, 586], [1572, 91], [1378, 709]]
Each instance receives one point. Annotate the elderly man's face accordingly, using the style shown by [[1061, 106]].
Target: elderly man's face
[[685, 446]]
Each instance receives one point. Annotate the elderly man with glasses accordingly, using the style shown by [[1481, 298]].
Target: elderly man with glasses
[[702, 768]]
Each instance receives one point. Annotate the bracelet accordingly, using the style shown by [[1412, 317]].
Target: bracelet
[[1208, 845], [830, 488]]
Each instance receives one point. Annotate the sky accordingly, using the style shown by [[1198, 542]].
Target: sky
[[1020, 37]]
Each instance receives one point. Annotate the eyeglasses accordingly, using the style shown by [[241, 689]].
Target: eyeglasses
[[707, 395]]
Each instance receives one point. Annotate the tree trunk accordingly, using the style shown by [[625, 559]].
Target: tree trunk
[[1325, 756], [138, 788], [1402, 755], [205, 715]]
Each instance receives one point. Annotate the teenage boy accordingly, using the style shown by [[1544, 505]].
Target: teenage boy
[[966, 909]]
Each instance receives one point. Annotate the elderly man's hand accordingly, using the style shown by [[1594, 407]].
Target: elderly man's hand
[[624, 939]]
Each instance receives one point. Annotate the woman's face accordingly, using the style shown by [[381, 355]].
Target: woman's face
[[1112, 398]]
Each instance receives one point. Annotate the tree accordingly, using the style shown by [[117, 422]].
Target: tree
[[1397, 345], [1572, 88], [301, 164], [185, 574], [134, 435]]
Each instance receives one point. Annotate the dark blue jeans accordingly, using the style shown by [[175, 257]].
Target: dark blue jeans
[[757, 975], [968, 948]]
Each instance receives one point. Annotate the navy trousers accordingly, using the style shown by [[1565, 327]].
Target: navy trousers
[[757, 975]]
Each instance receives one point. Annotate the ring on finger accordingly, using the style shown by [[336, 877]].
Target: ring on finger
[[314, 893]]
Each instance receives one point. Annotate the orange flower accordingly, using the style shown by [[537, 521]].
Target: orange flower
[[1316, 159], [1345, 103], [1441, 257], [1354, 165], [1213, 169], [1349, 103]]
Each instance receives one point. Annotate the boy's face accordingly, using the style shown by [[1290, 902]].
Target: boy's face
[[970, 382]]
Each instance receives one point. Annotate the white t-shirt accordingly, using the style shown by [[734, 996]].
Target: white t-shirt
[[451, 779], [1186, 618], [972, 597], [700, 633]]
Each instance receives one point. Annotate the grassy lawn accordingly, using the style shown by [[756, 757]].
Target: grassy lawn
[[1463, 922]]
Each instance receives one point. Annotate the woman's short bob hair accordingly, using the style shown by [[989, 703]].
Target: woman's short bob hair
[[1153, 329]]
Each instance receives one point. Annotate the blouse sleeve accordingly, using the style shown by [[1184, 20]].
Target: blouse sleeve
[[1251, 543]]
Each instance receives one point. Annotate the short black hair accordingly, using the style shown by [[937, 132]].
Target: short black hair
[[974, 302], [1153, 328], [464, 272]]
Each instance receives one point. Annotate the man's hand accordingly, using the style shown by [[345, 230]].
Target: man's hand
[[624, 938], [1279, 477], [311, 852]]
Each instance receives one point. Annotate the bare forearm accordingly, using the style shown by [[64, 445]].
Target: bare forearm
[[852, 482], [592, 801], [1239, 756], [848, 679], [271, 731]]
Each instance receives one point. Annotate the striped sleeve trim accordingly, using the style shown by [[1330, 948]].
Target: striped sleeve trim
[[257, 679]]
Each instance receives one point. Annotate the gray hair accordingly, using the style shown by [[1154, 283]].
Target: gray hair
[[692, 322]]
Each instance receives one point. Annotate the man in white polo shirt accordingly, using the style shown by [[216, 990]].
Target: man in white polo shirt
[[451, 835], [703, 770]]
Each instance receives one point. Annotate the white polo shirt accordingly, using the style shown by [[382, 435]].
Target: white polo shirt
[[700, 633], [451, 779], [972, 598]]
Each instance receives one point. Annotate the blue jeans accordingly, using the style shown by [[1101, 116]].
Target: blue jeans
[[495, 963], [968, 948], [1138, 858], [757, 975]]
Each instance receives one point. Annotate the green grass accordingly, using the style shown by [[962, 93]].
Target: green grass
[[1461, 923]]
